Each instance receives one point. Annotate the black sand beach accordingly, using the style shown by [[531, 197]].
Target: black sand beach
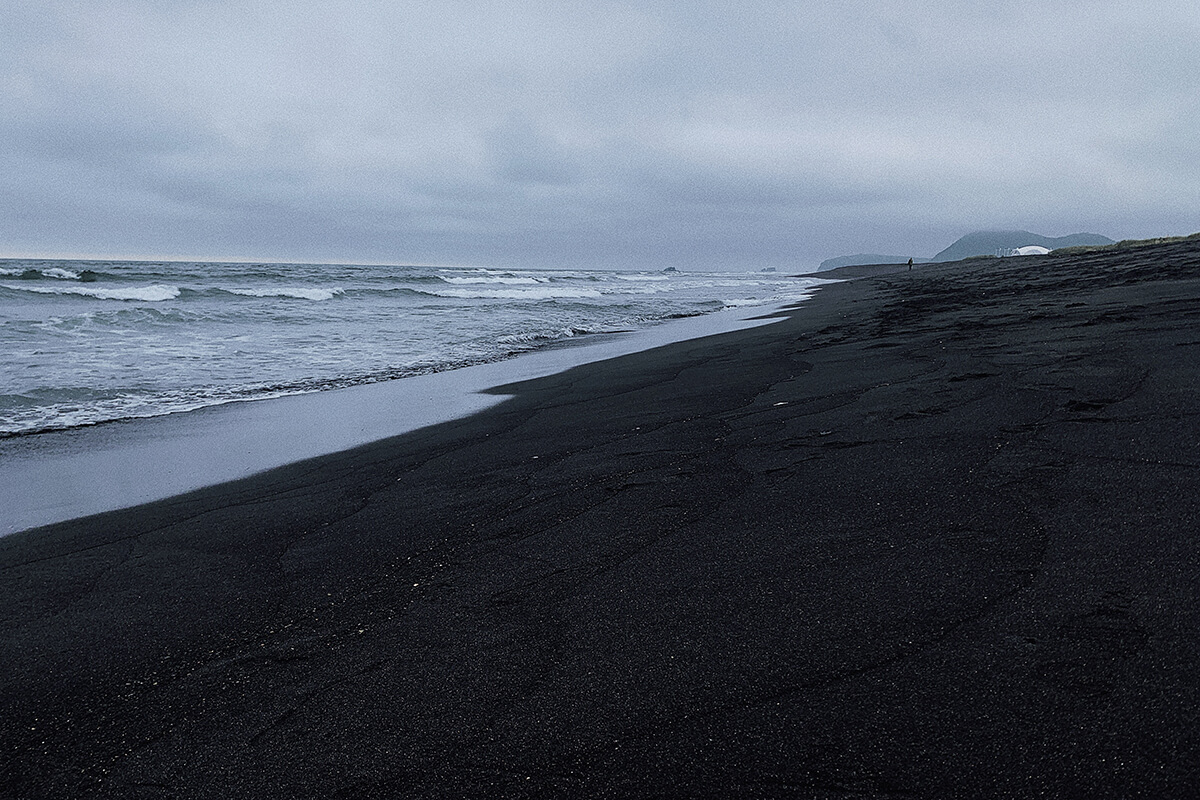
[[933, 535]]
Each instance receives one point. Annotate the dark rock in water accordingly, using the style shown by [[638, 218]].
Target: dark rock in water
[[990, 243], [670, 269], [30, 275], [88, 276]]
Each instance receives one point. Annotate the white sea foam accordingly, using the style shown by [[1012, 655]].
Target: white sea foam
[[51, 272], [514, 280], [151, 294], [717, 283], [741, 302], [643, 277], [547, 293], [774, 299], [297, 292], [83, 412], [529, 337], [639, 289], [63, 274]]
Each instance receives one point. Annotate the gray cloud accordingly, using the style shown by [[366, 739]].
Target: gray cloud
[[589, 133]]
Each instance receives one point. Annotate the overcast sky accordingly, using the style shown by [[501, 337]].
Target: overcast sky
[[543, 134]]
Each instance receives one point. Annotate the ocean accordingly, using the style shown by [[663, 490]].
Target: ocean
[[90, 342]]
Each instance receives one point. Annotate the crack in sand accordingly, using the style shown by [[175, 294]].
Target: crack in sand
[[307, 697]]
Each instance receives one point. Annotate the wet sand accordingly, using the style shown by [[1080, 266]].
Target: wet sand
[[933, 535]]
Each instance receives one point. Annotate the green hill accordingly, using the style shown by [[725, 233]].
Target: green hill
[[990, 243]]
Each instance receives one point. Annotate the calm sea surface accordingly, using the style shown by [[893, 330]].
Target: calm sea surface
[[85, 342]]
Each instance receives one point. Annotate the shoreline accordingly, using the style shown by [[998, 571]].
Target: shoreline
[[931, 534], [54, 476]]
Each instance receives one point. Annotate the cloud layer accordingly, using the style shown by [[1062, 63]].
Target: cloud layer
[[589, 134]]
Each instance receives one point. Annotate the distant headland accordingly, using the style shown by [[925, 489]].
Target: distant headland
[[979, 243]]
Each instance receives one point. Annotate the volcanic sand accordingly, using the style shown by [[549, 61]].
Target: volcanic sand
[[934, 533]]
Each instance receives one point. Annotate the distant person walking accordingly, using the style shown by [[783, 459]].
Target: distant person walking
[[910, 263]]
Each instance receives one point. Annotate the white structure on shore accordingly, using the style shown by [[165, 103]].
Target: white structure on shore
[[1028, 250]]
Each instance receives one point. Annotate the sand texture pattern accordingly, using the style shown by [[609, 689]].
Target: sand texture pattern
[[933, 535]]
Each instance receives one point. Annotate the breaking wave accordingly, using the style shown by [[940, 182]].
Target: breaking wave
[[548, 293], [149, 294], [297, 292]]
